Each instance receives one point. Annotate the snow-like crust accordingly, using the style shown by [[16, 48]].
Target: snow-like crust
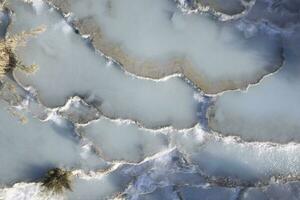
[[194, 45], [123, 159]]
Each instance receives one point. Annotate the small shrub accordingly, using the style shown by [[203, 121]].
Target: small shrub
[[3, 4], [8, 58], [57, 180]]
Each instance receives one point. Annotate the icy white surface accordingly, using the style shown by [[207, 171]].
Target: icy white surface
[[266, 112], [123, 140], [156, 178], [28, 149], [163, 40], [78, 111], [126, 141], [129, 137], [64, 73], [229, 157]]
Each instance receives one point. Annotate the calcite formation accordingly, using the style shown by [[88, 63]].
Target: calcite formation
[[150, 99]]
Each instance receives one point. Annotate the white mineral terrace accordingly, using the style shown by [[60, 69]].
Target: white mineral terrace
[[266, 112], [68, 66], [151, 100], [162, 40]]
